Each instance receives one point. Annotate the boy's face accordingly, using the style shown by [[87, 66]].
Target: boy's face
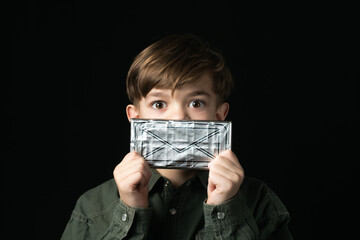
[[195, 101]]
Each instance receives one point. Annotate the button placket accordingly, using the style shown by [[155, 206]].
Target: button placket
[[220, 215], [172, 211], [124, 217]]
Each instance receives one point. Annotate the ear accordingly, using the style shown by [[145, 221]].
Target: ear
[[132, 112], [222, 111]]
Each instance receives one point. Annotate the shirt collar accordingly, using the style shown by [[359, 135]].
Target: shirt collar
[[203, 175], [155, 176]]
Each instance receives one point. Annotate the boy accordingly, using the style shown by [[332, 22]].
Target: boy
[[179, 78]]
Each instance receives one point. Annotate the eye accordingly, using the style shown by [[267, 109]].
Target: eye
[[196, 104], [158, 105]]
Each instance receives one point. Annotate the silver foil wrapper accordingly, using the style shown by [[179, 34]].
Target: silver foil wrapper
[[179, 143]]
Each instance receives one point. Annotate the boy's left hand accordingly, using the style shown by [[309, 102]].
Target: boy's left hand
[[225, 178]]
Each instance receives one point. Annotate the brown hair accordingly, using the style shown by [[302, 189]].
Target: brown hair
[[174, 61]]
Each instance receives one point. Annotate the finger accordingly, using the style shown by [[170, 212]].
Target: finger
[[137, 179], [225, 164], [131, 157], [136, 169], [226, 170], [220, 184], [132, 179], [228, 154], [221, 174], [132, 163], [137, 165]]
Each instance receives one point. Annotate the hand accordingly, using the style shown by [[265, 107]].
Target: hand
[[225, 178], [132, 176]]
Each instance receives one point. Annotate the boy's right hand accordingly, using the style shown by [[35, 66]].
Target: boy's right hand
[[132, 176]]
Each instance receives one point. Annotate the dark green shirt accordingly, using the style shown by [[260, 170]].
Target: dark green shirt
[[254, 213]]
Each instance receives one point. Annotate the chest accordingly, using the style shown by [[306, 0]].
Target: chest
[[177, 214]]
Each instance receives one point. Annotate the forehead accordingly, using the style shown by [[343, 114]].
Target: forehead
[[202, 86]]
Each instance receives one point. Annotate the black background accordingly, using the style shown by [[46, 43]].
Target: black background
[[294, 108]]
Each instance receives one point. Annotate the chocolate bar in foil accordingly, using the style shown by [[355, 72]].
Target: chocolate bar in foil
[[179, 143]]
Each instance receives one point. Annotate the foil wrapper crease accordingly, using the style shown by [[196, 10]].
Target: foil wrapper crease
[[179, 143]]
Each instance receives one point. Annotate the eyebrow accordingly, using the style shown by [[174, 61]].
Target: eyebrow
[[196, 93], [156, 94], [160, 93]]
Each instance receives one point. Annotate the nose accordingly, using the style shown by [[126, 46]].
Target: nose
[[178, 113]]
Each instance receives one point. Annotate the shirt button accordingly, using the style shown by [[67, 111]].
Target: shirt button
[[220, 215], [166, 183], [172, 211], [124, 217]]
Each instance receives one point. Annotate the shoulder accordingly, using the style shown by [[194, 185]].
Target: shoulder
[[97, 202], [262, 200]]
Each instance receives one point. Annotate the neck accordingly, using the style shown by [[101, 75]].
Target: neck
[[177, 177]]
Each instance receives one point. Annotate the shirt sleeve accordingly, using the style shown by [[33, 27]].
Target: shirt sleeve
[[127, 223], [79, 227], [230, 220], [233, 220]]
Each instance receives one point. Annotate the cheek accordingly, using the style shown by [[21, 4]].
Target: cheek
[[144, 113], [202, 115], [149, 113]]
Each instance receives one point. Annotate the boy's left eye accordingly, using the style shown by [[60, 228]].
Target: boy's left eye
[[196, 104]]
